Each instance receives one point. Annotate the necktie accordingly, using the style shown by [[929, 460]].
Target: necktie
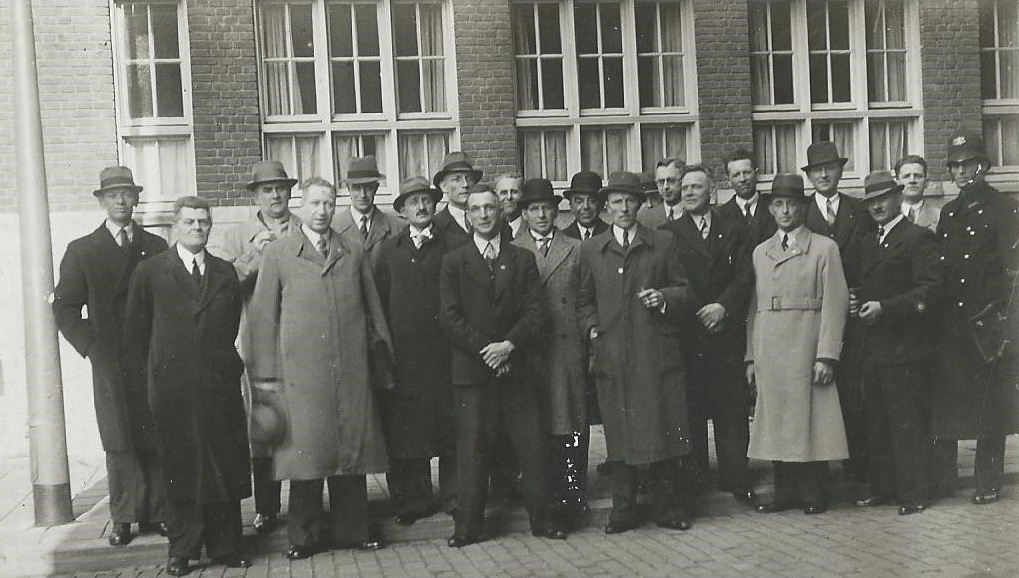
[[746, 214], [587, 234], [785, 241], [364, 226], [196, 275], [544, 242], [420, 239], [911, 215], [830, 204], [672, 215], [468, 225], [704, 228], [880, 233], [626, 239], [489, 255], [323, 246], [122, 240]]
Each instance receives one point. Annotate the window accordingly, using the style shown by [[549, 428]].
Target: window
[[999, 70], [603, 85], [350, 78], [861, 84], [153, 96]]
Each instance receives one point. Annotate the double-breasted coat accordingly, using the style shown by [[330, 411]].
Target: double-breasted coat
[[321, 314], [761, 226], [383, 226], [418, 411], [638, 365], [560, 358], [95, 272], [184, 338], [797, 316], [972, 398]]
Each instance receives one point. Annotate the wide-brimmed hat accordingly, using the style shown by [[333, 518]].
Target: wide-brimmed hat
[[788, 185], [269, 172], [964, 146], [584, 183], [415, 185], [879, 183], [116, 177], [623, 182], [457, 162], [821, 153], [535, 190], [363, 170]]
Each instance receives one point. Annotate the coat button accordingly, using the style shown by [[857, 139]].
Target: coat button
[[620, 271], [960, 304], [963, 280], [966, 256], [413, 260]]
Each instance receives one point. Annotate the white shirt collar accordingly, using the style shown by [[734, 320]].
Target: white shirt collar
[[793, 235], [313, 236], [751, 202], [889, 225], [822, 203], [189, 258], [706, 217], [481, 243], [538, 238], [114, 230], [415, 232], [356, 215], [458, 214], [515, 225], [617, 232], [914, 208], [675, 210]]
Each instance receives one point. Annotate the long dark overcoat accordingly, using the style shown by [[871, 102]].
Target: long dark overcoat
[[184, 337], [973, 399], [638, 361], [418, 411], [95, 272]]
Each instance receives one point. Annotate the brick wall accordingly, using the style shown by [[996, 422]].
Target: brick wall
[[225, 97], [723, 78], [75, 68], [950, 68], [484, 67]]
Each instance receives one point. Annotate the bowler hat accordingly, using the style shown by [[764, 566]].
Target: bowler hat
[[584, 183], [269, 172], [535, 190], [266, 424], [823, 152], [457, 162], [415, 185], [788, 185], [879, 183], [363, 170], [116, 177], [964, 146], [623, 182]]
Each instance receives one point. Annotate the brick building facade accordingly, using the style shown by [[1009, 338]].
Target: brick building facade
[[191, 92]]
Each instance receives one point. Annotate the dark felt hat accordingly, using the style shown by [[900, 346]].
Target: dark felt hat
[[535, 190], [879, 183], [363, 170], [415, 185], [584, 183], [116, 177], [457, 162], [823, 152], [269, 172], [964, 146], [623, 182], [788, 185]]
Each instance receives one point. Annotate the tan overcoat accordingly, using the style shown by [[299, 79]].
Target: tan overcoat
[[797, 316]]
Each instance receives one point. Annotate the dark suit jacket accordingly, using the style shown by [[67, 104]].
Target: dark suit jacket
[[184, 339], [443, 220], [383, 226], [573, 230], [852, 223], [906, 276], [95, 272], [761, 227], [478, 307]]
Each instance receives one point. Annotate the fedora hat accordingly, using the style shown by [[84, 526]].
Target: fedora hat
[[964, 146], [457, 162], [415, 185], [116, 177], [623, 182], [879, 183], [269, 172], [823, 152], [788, 185], [363, 170], [535, 190], [584, 183], [266, 424]]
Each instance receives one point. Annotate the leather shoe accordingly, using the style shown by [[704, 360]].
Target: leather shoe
[[120, 534], [871, 501], [461, 541], [979, 498], [295, 552], [177, 566], [678, 524], [362, 545], [550, 532], [408, 518], [234, 561], [745, 496], [773, 507], [907, 509], [265, 523], [814, 509], [620, 527]]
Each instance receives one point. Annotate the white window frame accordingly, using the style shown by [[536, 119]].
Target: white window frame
[[631, 115], [156, 127], [995, 109], [858, 110], [390, 123]]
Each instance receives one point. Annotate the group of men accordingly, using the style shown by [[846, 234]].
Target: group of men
[[372, 343]]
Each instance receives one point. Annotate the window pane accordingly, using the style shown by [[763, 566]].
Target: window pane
[[300, 30], [840, 78], [1008, 24], [818, 78], [611, 28], [304, 90], [1010, 145], [343, 88], [838, 25], [649, 81], [658, 142], [164, 30], [783, 78], [1009, 60], [988, 75], [161, 165], [277, 88], [781, 26], [888, 143], [613, 82], [367, 30], [299, 155], [585, 24], [405, 35], [895, 25], [757, 16], [340, 41], [592, 157], [615, 150], [552, 83], [647, 32], [434, 86], [136, 20], [347, 146], [839, 132], [548, 24], [672, 27], [555, 155], [408, 80], [527, 84], [524, 37], [876, 77], [170, 99], [672, 72], [875, 25], [775, 147], [139, 90], [421, 153], [986, 25], [371, 86], [817, 22], [760, 73], [431, 30], [530, 154], [896, 76], [590, 88], [274, 32]]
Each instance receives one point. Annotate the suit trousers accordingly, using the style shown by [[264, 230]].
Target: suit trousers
[[137, 490], [348, 512], [988, 465], [663, 484], [896, 412], [801, 483], [191, 525], [267, 489], [410, 484], [481, 409], [732, 438]]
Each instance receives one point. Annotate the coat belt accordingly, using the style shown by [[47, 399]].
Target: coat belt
[[788, 303]]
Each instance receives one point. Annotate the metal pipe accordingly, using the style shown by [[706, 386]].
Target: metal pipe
[[51, 485]]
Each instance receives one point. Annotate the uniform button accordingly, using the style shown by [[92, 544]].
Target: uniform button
[[966, 256], [980, 212], [961, 281], [942, 257], [413, 260], [960, 304], [620, 271], [971, 233]]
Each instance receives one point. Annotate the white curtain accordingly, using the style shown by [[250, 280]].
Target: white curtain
[[432, 69], [274, 40]]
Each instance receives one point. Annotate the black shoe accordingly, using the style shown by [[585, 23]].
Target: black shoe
[[745, 496], [408, 518], [120, 534], [814, 509], [552, 532], [773, 507], [678, 524], [266, 523], [872, 501], [295, 552], [979, 498], [177, 566], [907, 509], [461, 541], [620, 527], [362, 545], [233, 561]]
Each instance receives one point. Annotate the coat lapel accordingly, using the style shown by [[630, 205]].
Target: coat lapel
[[689, 231], [558, 251], [214, 280], [476, 267], [505, 265]]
